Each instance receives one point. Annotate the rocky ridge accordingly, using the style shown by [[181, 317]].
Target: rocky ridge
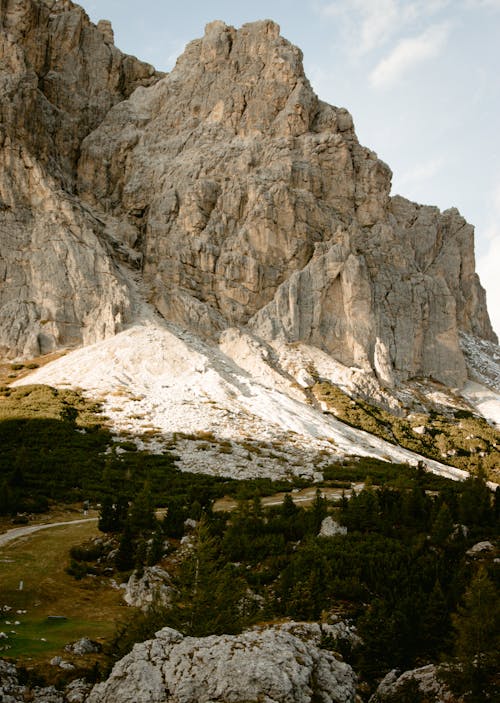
[[238, 197]]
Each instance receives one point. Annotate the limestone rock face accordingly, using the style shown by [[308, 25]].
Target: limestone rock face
[[239, 198], [426, 680], [254, 204], [270, 665], [60, 284], [59, 76]]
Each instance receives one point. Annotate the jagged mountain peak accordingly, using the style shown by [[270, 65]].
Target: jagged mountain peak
[[224, 193]]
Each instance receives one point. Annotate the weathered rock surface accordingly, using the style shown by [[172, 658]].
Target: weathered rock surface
[[254, 204], [269, 665], [241, 197], [425, 680], [77, 691], [83, 646], [11, 691], [331, 528], [480, 549], [153, 584], [59, 76]]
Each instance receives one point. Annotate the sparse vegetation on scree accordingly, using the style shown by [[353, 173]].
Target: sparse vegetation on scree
[[465, 440], [402, 573]]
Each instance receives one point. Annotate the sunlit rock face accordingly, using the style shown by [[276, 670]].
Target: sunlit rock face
[[237, 195], [59, 77]]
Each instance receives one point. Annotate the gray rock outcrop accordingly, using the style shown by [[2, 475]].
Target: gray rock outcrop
[[424, 680], [236, 195], [269, 665], [152, 585], [83, 646], [59, 76], [12, 691], [331, 528]]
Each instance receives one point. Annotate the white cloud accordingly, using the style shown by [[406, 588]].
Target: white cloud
[[409, 53], [373, 23], [496, 201], [369, 24], [483, 4], [421, 172]]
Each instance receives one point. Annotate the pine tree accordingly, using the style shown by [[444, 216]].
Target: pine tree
[[141, 552], [318, 512], [443, 525], [142, 512], [125, 556], [475, 502], [113, 514], [106, 515], [173, 522], [68, 413], [7, 500], [435, 622], [210, 594], [288, 508], [477, 621], [477, 624], [155, 549]]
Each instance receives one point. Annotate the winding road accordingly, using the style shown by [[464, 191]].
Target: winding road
[[16, 532]]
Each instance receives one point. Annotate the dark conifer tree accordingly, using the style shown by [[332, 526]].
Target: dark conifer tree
[[317, 512], [442, 527], [477, 624], [107, 521], [142, 513], [125, 556], [435, 623]]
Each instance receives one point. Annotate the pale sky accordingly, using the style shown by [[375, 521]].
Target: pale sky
[[420, 77]]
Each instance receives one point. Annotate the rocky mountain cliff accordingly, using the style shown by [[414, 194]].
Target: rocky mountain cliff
[[59, 77], [227, 189]]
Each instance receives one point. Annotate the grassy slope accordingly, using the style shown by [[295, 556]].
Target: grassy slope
[[91, 606]]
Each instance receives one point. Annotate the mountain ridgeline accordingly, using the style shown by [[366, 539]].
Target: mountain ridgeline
[[226, 190]]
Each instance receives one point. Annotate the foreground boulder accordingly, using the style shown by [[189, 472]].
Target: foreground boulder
[[271, 665], [424, 682]]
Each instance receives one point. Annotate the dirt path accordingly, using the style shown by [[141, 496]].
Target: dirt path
[[10, 535], [305, 495]]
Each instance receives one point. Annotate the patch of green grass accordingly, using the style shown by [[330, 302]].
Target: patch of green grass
[[91, 606], [42, 639]]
